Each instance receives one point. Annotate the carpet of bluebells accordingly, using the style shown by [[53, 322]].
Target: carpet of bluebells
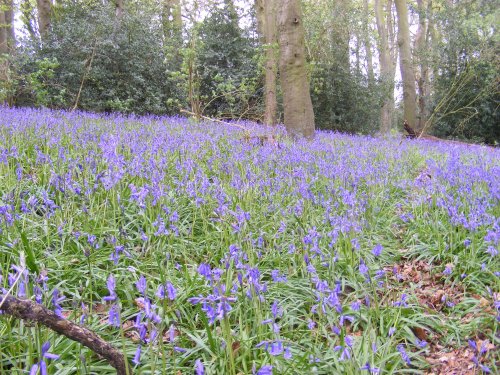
[[194, 248]]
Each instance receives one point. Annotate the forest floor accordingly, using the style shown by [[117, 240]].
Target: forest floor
[[196, 247]]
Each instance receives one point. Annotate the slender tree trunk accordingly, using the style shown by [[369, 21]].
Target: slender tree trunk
[[4, 49], [7, 44], [44, 13], [422, 54], [26, 9], [9, 21], [368, 47], [386, 60], [406, 65], [172, 20], [119, 9], [298, 110], [341, 32], [266, 20]]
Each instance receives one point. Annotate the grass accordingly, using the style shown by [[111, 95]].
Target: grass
[[270, 249]]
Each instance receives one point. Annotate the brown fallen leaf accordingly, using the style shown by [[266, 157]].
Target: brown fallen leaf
[[420, 333]]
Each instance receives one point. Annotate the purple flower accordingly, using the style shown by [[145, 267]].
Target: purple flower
[[391, 331], [56, 300], [141, 285], [345, 352], [377, 250], [264, 370], [402, 302], [114, 316], [160, 292], [199, 368], [171, 292], [111, 288], [404, 355], [137, 356], [492, 251], [276, 348], [371, 370], [205, 271], [421, 343], [42, 365]]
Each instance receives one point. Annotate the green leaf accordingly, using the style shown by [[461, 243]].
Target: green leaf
[[30, 255]]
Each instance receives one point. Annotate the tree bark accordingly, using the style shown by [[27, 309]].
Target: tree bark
[[26, 9], [298, 110], [387, 65], [44, 14], [119, 9], [172, 20], [29, 310], [368, 47], [266, 23], [7, 44], [422, 55], [9, 21], [3, 32], [406, 65]]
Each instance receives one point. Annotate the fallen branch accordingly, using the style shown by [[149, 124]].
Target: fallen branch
[[247, 137], [214, 120], [29, 310]]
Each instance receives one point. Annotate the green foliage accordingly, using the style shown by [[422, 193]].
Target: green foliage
[[227, 65], [343, 101], [467, 92], [40, 79], [118, 64]]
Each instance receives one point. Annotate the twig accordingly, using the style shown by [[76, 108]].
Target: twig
[[29, 310], [84, 77], [214, 120]]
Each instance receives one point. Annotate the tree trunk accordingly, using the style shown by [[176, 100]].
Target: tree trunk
[[26, 9], [266, 20], [44, 13], [298, 110], [406, 65], [387, 65], [422, 55], [172, 20], [3, 32], [368, 47], [9, 22], [7, 44], [119, 8], [340, 33]]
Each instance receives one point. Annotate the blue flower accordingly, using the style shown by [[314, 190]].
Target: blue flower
[[199, 368], [404, 355], [42, 365], [377, 250]]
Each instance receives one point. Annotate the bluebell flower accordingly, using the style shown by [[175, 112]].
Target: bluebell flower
[[404, 355], [377, 250], [141, 285], [42, 365], [264, 370], [137, 356], [199, 368], [371, 370], [111, 284]]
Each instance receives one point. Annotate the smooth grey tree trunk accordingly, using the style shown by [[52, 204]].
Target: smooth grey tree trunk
[[266, 22], [44, 14], [386, 61], [298, 110], [406, 65], [368, 47]]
